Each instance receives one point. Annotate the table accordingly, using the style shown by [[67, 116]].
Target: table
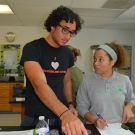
[[88, 126]]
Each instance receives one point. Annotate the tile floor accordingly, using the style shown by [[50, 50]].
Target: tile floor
[[15, 119]]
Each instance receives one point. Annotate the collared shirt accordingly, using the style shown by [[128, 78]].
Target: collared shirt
[[107, 97]]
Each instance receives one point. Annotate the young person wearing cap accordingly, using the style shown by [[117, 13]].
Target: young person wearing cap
[[106, 91]]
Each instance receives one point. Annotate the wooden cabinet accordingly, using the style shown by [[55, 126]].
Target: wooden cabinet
[[4, 97], [6, 91], [19, 107]]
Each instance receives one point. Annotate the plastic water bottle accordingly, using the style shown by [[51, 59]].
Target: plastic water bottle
[[42, 127]]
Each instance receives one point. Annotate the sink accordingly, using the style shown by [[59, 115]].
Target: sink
[[11, 79]]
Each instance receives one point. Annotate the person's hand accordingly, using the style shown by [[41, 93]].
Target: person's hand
[[71, 125], [73, 110], [99, 123], [127, 115]]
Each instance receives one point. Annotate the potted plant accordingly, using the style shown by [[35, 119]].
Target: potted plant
[[20, 70], [2, 69]]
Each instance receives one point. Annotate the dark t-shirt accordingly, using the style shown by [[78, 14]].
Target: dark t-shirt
[[54, 62]]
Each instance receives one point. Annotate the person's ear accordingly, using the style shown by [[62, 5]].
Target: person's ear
[[113, 62], [52, 27]]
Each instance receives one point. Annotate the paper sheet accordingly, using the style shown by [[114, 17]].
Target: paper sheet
[[28, 132], [114, 129]]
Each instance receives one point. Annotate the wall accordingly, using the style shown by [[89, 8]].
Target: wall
[[23, 34], [82, 41]]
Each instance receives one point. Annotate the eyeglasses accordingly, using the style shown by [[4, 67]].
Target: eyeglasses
[[66, 31]]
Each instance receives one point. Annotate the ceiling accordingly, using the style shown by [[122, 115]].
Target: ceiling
[[97, 14]]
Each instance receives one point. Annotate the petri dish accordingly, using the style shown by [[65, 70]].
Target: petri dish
[[54, 132], [89, 132]]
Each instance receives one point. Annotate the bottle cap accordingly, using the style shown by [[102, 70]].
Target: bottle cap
[[41, 117]]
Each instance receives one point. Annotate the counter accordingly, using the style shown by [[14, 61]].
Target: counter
[[88, 126]]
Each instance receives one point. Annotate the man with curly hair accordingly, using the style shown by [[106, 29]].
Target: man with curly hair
[[46, 62]]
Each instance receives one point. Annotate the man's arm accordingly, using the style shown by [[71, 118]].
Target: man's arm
[[67, 87], [68, 92], [70, 123], [37, 78]]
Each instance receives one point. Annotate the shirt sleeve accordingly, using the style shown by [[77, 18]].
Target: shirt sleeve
[[82, 99], [71, 59], [30, 53], [130, 96]]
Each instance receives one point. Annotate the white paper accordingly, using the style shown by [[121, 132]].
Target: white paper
[[114, 129], [27, 132], [20, 98]]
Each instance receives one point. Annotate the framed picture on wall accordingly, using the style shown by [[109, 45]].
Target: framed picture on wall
[[10, 57]]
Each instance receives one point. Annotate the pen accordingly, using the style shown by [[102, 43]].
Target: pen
[[100, 116]]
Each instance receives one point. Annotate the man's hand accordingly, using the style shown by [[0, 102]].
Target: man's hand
[[71, 125], [73, 110]]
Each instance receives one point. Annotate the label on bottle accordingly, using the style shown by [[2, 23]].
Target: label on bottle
[[47, 133]]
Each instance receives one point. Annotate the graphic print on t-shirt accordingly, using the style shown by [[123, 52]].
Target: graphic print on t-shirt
[[55, 65]]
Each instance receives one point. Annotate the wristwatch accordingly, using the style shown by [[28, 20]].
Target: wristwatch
[[71, 102]]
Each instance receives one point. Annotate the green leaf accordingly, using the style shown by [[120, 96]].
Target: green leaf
[[124, 127]]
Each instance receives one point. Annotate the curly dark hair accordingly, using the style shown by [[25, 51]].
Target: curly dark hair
[[122, 54], [63, 13]]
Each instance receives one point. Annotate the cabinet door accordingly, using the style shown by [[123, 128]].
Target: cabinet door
[[4, 93], [5, 107], [4, 100], [4, 97], [4, 86]]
